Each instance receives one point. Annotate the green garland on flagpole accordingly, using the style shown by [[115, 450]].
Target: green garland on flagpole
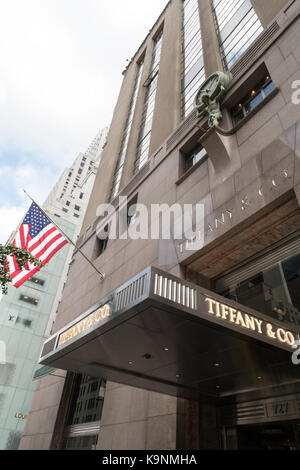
[[23, 257]]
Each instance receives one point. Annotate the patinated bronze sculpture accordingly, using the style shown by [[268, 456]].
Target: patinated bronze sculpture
[[210, 95]]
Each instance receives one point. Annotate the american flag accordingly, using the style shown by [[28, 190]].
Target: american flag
[[40, 237]]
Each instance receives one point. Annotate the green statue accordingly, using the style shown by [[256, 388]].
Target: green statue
[[210, 95]]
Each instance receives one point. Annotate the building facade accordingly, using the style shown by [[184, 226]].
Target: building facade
[[27, 314], [24, 317], [70, 195], [188, 346]]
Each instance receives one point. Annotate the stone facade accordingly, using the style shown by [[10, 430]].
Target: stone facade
[[250, 188]]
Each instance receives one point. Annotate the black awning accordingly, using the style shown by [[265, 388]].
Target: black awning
[[161, 333]]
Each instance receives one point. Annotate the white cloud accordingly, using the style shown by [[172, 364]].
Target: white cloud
[[60, 73], [35, 181], [12, 216], [61, 64]]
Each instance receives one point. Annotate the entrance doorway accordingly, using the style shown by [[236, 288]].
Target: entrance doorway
[[282, 435]]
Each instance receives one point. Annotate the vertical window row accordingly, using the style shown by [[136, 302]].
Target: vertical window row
[[125, 138], [237, 27], [193, 73], [143, 143]]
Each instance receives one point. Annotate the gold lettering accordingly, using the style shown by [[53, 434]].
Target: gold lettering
[[218, 314], [270, 331], [84, 324], [258, 323], [98, 315], [211, 303], [250, 322], [106, 310], [290, 338], [232, 313], [281, 335], [239, 319], [80, 327], [91, 320], [224, 310]]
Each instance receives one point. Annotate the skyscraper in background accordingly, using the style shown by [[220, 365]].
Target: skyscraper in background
[[184, 364], [27, 313]]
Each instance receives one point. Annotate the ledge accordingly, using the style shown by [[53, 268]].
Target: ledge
[[191, 170]]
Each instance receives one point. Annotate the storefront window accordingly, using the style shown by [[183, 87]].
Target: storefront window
[[274, 291], [87, 401], [81, 443], [291, 271], [86, 407]]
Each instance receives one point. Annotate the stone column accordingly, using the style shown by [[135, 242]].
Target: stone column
[[210, 43]]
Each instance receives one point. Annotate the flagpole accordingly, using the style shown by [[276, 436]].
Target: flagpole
[[102, 275]]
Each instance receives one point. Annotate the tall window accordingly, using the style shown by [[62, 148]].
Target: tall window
[[85, 407], [125, 138], [193, 72], [273, 291], [237, 26], [143, 144]]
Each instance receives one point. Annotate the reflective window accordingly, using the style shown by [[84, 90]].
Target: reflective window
[[275, 291], [36, 280], [143, 144], [291, 271], [193, 157], [126, 134], [81, 442], [237, 25], [87, 400], [193, 73], [101, 243], [29, 300], [252, 99]]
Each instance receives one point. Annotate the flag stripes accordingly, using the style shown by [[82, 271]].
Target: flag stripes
[[41, 238]]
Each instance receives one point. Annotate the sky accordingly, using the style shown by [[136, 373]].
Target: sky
[[60, 74]]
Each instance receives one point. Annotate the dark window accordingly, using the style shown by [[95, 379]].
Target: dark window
[[77, 208], [37, 280], [91, 403], [65, 210], [67, 203], [79, 171], [253, 99], [76, 215], [131, 212], [83, 159], [82, 164], [291, 270], [27, 322], [81, 196], [143, 144], [101, 243], [30, 300], [83, 400], [193, 157], [94, 386], [274, 292]]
